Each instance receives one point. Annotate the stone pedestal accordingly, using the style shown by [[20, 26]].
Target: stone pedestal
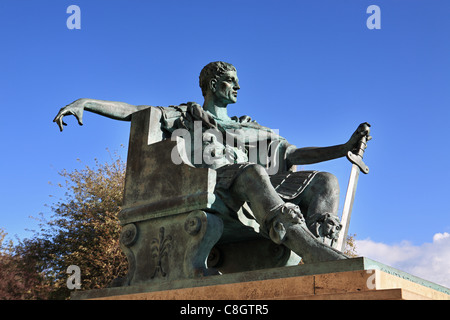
[[353, 279]]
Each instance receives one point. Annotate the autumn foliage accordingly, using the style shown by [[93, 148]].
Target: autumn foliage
[[83, 231]]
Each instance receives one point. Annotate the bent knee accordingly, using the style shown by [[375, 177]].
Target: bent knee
[[327, 181], [254, 171]]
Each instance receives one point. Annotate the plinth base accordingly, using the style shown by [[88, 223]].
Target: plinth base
[[353, 279]]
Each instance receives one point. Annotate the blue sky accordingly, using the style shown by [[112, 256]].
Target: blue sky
[[311, 69]]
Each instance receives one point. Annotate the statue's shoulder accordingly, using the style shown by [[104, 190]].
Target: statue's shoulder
[[181, 109], [173, 112], [247, 121], [179, 116]]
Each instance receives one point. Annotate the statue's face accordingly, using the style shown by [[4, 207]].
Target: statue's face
[[331, 228], [226, 87]]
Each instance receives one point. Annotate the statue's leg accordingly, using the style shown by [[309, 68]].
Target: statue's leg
[[253, 185], [319, 204], [282, 221], [321, 195]]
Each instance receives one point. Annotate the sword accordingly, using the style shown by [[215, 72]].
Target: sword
[[357, 166]]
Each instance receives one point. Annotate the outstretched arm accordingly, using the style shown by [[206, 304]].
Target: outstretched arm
[[111, 109], [318, 154]]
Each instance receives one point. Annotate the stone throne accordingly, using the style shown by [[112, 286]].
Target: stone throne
[[173, 225]]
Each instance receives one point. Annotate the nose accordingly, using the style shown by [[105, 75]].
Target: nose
[[236, 87]]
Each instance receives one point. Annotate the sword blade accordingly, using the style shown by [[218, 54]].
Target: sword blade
[[348, 206]]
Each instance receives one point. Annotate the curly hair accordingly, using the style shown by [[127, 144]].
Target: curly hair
[[213, 70]]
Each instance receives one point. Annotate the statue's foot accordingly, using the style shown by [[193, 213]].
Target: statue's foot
[[289, 228]]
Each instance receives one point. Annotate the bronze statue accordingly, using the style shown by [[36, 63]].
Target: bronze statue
[[294, 208]]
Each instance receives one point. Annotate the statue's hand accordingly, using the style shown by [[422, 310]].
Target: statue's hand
[[363, 130], [75, 108]]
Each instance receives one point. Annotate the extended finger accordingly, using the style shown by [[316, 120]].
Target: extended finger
[[60, 126], [57, 117], [60, 123]]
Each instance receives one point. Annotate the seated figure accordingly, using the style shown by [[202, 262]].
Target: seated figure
[[295, 208]]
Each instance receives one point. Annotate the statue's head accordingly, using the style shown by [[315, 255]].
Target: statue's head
[[219, 78], [325, 225]]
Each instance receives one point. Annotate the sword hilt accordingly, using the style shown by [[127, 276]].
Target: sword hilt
[[356, 158]]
